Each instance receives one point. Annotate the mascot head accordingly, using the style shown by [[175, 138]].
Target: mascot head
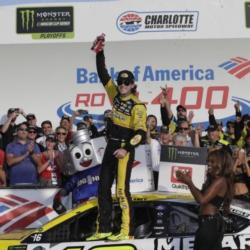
[[85, 152]]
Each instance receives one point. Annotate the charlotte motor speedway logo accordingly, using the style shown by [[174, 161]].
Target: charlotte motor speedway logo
[[17, 212], [237, 66], [131, 22]]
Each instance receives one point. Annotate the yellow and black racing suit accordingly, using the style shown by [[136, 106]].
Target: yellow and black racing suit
[[128, 130]]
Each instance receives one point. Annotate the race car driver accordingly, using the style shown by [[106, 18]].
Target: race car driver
[[127, 131]]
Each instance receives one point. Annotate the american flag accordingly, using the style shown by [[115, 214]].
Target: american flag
[[17, 212]]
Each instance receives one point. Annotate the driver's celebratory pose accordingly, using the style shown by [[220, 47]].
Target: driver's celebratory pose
[[128, 130]]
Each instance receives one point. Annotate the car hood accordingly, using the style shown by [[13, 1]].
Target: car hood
[[16, 235]]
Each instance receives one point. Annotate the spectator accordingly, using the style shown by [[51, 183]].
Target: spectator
[[184, 129], [167, 116], [247, 146], [61, 134], [3, 180], [180, 140], [22, 158], [241, 174], [152, 126], [50, 164], [229, 135], [8, 129], [165, 138], [47, 129], [212, 140], [31, 120], [107, 123], [88, 119], [67, 123], [32, 135]]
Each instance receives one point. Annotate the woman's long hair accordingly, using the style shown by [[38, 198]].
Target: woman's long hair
[[224, 163]]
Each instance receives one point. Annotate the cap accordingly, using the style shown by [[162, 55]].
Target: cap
[[164, 129], [50, 137], [211, 128], [181, 107], [125, 75], [65, 117], [30, 128], [30, 116]]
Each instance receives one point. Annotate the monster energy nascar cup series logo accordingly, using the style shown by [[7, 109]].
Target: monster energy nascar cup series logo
[[45, 20], [183, 154]]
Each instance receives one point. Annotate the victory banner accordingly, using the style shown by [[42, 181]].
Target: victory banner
[[190, 160]]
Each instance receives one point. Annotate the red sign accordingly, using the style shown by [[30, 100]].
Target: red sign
[[186, 170]]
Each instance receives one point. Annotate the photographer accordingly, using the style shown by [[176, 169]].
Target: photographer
[[8, 129]]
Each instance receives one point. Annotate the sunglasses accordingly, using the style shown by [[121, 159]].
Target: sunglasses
[[183, 128], [125, 82], [22, 129], [32, 132], [59, 133]]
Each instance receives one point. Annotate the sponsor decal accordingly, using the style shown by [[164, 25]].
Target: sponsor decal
[[172, 153], [136, 180], [13, 212], [239, 212], [45, 22], [132, 22], [135, 140], [247, 11], [185, 170], [237, 66], [186, 155], [15, 2], [233, 242], [148, 73]]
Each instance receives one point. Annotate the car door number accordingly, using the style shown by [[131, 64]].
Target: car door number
[[37, 237]]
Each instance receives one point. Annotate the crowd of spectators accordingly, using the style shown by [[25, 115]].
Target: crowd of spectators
[[33, 155], [234, 136]]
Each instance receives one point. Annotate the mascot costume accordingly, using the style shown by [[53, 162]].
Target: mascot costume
[[85, 156]]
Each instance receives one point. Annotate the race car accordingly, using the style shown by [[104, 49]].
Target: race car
[[162, 221]]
